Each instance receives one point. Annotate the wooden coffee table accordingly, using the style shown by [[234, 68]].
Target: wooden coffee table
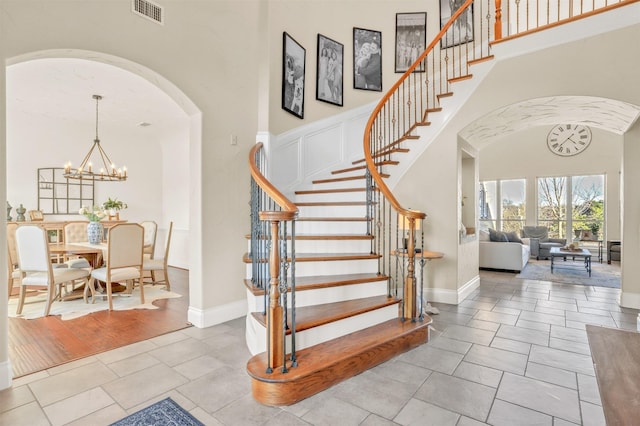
[[579, 253]]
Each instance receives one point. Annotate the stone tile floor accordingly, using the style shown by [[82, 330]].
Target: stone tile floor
[[515, 352]]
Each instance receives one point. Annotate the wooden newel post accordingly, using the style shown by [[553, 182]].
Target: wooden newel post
[[410, 288], [497, 29], [275, 329]]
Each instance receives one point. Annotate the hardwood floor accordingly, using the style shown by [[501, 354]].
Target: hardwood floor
[[43, 343]]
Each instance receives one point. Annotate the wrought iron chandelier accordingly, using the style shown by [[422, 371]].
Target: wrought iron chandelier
[[107, 170]]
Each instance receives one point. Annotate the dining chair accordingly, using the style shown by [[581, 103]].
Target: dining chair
[[150, 232], [154, 265], [34, 260], [13, 272], [76, 232], [123, 261]]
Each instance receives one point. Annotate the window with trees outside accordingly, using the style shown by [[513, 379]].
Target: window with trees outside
[[570, 205], [502, 204]]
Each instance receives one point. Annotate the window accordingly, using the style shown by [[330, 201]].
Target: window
[[571, 205], [509, 213]]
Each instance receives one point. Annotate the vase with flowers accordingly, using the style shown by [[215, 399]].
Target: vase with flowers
[[94, 229]]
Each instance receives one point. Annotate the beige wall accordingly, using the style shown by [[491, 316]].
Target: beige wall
[[524, 155]]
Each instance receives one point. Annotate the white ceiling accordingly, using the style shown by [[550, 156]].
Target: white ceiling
[[62, 88]]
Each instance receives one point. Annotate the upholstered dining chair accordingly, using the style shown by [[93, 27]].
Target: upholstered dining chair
[[76, 232], [34, 260], [154, 265], [13, 272], [123, 263], [150, 232]]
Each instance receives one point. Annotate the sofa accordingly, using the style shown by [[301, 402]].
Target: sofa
[[503, 254]]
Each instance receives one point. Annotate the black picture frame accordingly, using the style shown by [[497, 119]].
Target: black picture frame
[[367, 59], [293, 67], [329, 71], [411, 40], [461, 31]]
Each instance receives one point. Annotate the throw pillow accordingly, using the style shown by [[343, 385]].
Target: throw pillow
[[484, 235], [498, 236], [513, 237]]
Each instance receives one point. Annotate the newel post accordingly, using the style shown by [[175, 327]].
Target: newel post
[[275, 316], [410, 288]]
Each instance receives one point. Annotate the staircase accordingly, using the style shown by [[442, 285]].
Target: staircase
[[347, 320], [332, 305]]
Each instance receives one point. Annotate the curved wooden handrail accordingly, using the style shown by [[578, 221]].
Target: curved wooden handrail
[[384, 189], [284, 203]]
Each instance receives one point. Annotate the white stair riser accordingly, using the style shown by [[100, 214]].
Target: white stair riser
[[337, 267], [332, 211], [333, 246], [351, 183], [325, 295], [256, 334], [332, 196], [329, 227]]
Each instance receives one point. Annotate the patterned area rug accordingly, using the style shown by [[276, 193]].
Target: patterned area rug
[[602, 274], [70, 309], [162, 413]]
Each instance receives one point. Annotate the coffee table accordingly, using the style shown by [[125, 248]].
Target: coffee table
[[579, 253]]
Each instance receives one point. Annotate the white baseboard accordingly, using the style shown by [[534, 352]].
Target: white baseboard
[[629, 300], [6, 374], [453, 297], [217, 315]]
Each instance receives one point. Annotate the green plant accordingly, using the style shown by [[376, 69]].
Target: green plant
[[114, 204]]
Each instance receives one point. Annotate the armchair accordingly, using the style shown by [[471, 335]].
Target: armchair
[[614, 250], [540, 242]]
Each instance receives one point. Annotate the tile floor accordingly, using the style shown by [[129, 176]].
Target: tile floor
[[513, 353]]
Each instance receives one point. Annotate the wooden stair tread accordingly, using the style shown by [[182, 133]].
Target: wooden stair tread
[[314, 316], [319, 257], [323, 281], [331, 203], [329, 191], [345, 178], [332, 219], [326, 364], [379, 163]]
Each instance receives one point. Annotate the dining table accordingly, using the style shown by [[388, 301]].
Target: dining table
[[94, 253]]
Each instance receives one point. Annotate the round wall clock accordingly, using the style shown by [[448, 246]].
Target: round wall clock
[[568, 139]]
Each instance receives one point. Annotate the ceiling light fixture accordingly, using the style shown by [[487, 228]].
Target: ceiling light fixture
[[107, 172]]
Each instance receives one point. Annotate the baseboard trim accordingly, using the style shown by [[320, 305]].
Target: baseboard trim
[[203, 318], [453, 297], [629, 300], [6, 374]]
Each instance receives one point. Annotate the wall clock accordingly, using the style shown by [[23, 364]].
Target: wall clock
[[568, 139]]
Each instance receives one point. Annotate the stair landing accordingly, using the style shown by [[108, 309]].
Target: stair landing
[[326, 364]]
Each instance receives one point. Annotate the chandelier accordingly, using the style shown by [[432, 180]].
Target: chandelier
[[106, 170]]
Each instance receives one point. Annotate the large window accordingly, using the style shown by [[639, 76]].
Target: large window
[[502, 204], [570, 205]]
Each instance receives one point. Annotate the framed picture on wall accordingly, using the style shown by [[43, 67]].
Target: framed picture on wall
[[293, 61], [462, 29], [329, 76], [411, 39], [367, 59]]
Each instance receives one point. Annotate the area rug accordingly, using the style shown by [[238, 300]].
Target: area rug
[[165, 412], [602, 274], [71, 309]]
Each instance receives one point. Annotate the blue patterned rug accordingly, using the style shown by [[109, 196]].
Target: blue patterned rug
[[165, 412], [602, 274]]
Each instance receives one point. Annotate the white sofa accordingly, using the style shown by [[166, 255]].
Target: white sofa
[[504, 255]]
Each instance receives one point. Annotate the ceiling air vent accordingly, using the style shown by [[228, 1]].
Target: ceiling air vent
[[148, 10]]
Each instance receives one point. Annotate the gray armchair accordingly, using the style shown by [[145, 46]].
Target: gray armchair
[[539, 241]]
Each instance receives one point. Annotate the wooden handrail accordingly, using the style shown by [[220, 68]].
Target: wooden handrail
[[267, 187], [384, 189]]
